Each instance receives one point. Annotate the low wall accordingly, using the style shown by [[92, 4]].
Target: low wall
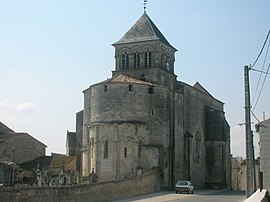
[[138, 185], [259, 196]]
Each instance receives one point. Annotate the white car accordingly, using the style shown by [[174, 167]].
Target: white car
[[184, 186]]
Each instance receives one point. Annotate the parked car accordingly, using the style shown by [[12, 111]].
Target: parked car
[[184, 186]]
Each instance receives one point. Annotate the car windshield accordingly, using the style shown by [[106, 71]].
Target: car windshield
[[182, 183]]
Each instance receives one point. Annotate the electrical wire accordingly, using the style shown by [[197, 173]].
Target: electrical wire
[[255, 116], [261, 72], [261, 49], [267, 72]]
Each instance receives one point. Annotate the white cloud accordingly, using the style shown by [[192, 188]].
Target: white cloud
[[4, 106], [4, 103], [15, 71], [24, 107], [8, 108]]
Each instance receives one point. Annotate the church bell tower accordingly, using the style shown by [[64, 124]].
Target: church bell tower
[[144, 53]]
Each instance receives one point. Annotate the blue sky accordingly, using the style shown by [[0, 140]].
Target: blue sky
[[52, 50]]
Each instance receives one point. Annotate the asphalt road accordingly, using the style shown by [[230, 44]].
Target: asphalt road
[[198, 196]]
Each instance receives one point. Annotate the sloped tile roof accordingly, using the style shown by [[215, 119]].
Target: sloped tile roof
[[7, 134], [199, 87], [54, 161], [5, 129], [60, 160], [120, 78], [143, 30], [41, 162]]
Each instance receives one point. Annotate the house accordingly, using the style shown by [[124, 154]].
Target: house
[[263, 128], [237, 173], [57, 169], [16, 148]]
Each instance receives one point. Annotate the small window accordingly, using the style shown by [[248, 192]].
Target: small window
[[140, 146], [130, 88], [106, 149], [125, 152], [151, 90], [152, 112], [105, 88]]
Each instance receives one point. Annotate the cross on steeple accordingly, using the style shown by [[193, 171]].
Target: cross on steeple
[[144, 5]]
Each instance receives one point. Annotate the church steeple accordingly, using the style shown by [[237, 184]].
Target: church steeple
[[144, 5], [143, 30], [144, 53]]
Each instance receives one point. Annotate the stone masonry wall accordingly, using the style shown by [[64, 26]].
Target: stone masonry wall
[[139, 185]]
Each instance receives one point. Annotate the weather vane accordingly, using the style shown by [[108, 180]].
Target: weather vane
[[144, 5]]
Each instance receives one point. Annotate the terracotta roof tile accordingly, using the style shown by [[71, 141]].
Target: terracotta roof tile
[[120, 78]]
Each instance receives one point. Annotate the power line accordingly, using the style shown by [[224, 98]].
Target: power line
[[261, 49], [261, 72], [256, 70], [267, 72], [255, 116]]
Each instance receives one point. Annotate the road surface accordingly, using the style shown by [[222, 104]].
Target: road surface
[[198, 196]]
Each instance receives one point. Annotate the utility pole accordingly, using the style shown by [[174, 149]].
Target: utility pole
[[249, 139]]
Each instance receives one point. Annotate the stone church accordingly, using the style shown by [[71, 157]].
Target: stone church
[[142, 118]]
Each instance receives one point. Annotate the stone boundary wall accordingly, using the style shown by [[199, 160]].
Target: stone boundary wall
[[138, 185], [259, 196]]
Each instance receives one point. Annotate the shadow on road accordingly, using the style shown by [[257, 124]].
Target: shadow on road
[[219, 192]]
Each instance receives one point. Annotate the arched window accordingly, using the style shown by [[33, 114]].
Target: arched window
[[106, 149], [136, 60], [140, 148], [125, 61], [147, 59], [92, 147], [125, 152]]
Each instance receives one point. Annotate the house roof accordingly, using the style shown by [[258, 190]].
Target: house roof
[[61, 160], [267, 121], [262, 124], [120, 78], [180, 85], [199, 87], [40, 162], [7, 134], [5, 129], [44, 162], [143, 30]]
